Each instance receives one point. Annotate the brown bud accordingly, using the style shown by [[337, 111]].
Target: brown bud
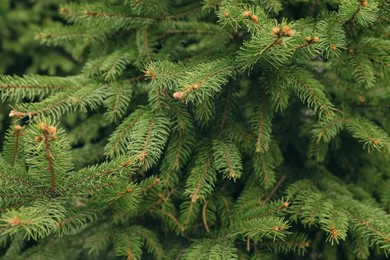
[[148, 72], [129, 190], [275, 31], [364, 3], [19, 114], [308, 39], [52, 130], [18, 127], [254, 18], [279, 42], [375, 141], [286, 204], [12, 113], [333, 47], [15, 221], [285, 29], [38, 138], [64, 10], [226, 14], [123, 164], [316, 39], [276, 228], [361, 99], [178, 95], [195, 86], [247, 14], [43, 126], [290, 33], [194, 197]]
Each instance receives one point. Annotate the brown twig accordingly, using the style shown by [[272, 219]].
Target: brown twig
[[204, 216], [275, 188], [50, 161]]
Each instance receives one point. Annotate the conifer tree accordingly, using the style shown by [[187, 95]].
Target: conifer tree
[[215, 129]]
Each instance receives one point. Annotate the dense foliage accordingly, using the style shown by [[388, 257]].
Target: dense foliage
[[215, 129]]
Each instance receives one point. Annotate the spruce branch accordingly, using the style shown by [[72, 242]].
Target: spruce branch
[[275, 188], [261, 123], [201, 181], [17, 135], [204, 216], [63, 102], [117, 143], [310, 91], [49, 157], [227, 159], [196, 112], [364, 14], [31, 86]]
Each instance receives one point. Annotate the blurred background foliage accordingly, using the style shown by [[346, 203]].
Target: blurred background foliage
[[20, 53]]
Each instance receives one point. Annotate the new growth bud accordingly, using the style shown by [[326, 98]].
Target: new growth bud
[[15, 221], [255, 18], [315, 39], [43, 126], [178, 95], [275, 31], [52, 130], [287, 31], [247, 14]]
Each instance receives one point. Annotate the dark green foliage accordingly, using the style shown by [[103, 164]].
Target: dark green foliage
[[214, 129]]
